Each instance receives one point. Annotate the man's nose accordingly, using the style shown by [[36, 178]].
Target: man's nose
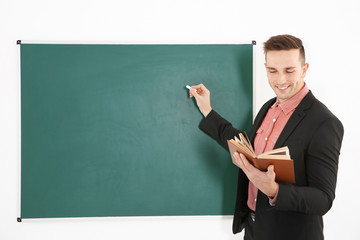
[[281, 78]]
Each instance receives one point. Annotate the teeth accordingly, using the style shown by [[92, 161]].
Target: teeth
[[282, 88]]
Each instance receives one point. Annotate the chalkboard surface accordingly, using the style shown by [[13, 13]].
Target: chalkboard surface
[[109, 130]]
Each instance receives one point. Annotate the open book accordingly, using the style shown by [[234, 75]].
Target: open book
[[280, 158]]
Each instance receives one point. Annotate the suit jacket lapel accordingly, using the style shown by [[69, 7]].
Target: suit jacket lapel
[[295, 119]]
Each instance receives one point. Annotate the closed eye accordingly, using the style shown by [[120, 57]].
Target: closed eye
[[290, 70], [272, 70]]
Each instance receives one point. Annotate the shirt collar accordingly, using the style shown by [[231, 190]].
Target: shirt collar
[[290, 104]]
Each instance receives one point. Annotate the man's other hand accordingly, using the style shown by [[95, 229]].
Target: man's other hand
[[202, 97]]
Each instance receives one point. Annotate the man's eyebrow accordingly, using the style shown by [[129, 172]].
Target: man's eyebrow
[[287, 68]]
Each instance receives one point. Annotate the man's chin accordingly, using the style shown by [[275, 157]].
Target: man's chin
[[282, 96]]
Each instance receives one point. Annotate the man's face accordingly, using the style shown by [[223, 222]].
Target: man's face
[[285, 72]]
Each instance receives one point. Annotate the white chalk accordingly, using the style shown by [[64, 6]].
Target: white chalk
[[188, 87]]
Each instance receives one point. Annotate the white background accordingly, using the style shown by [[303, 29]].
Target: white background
[[330, 32]]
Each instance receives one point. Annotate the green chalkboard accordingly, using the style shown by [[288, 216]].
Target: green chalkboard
[[109, 130]]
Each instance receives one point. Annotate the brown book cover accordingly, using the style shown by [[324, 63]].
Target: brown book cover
[[280, 158]]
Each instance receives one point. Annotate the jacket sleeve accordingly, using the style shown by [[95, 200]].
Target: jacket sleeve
[[218, 128], [321, 160]]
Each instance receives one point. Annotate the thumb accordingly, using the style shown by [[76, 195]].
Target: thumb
[[271, 169], [271, 173]]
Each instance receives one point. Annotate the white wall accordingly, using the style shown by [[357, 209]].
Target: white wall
[[330, 30]]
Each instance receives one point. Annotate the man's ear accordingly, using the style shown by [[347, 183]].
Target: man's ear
[[304, 68]]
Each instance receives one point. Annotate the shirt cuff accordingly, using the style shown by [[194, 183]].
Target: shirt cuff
[[272, 200]]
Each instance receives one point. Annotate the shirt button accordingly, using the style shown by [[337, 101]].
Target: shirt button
[[266, 139], [254, 199], [274, 120]]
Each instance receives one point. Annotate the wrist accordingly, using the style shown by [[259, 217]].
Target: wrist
[[274, 190], [206, 112], [272, 199]]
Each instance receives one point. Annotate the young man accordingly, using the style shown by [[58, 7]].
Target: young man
[[295, 118]]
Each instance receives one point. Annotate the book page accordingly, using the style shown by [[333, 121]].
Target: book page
[[242, 147], [272, 156], [279, 153], [246, 143]]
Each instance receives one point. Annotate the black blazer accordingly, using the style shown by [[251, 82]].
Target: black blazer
[[313, 135]]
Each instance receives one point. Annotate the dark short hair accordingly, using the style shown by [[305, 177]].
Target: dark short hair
[[285, 42]]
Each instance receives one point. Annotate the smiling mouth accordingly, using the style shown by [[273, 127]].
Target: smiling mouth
[[282, 88]]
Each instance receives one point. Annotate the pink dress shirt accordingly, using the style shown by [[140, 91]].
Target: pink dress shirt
[[269, 131]]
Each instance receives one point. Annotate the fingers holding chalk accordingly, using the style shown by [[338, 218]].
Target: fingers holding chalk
[[197, 89], [192, 90]]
